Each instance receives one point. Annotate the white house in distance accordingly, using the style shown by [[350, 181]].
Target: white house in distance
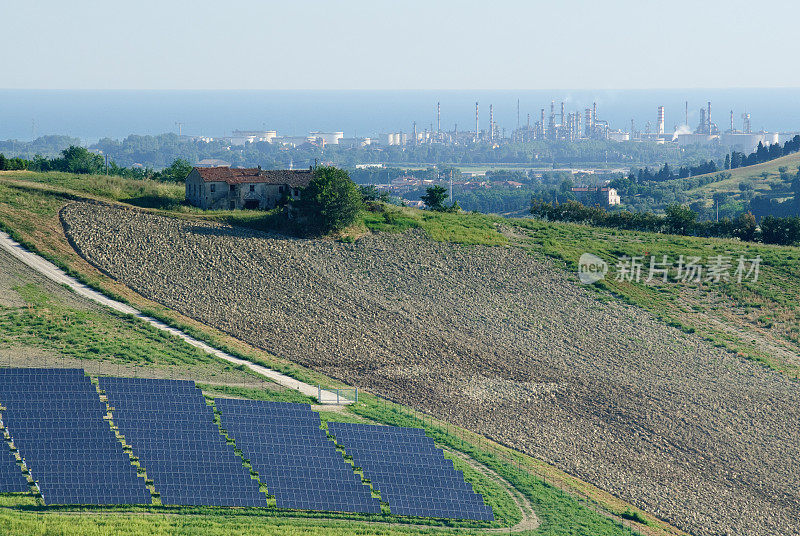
[[225, 188], [594, 195]]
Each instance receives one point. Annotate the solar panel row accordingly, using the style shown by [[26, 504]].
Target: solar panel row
[[56, 421], [11, 478], [293, 456], [171, 430], [412, 475]]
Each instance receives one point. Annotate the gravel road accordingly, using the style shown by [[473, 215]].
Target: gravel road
[[495, 340]]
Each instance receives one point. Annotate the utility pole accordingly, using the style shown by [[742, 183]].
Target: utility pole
[[180, 127], [106, 165]]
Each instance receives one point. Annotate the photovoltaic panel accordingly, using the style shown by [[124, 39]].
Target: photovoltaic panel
[[55, 418], [294, 457], [172, 431], [11, 478], [411, 473]]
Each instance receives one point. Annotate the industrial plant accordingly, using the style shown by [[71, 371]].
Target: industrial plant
[[559, 124]]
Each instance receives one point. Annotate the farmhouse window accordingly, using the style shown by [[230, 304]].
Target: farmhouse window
[[213, 188], [252, 187]]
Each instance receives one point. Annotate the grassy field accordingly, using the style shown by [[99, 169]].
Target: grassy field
[[72, 336]]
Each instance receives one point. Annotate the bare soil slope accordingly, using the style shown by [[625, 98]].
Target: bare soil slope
[[493, 339]]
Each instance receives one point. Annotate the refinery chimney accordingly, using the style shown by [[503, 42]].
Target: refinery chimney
[[660, 124], [708, 117], [477, 123], [491, 122], [438, 120]]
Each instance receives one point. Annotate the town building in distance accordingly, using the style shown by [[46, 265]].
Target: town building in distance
[[602, 196]]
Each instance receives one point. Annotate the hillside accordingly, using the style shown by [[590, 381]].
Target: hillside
[[493, 339], [590, 350], [31, 212], [765, 178]]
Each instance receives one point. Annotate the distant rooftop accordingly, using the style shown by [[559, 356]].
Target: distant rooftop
[[290, 177]]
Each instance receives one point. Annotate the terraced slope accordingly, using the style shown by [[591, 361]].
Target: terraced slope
[[493, 339]]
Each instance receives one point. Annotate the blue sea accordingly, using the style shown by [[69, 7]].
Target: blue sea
[[90, 115]]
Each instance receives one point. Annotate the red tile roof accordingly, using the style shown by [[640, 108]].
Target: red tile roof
[[290, 177]]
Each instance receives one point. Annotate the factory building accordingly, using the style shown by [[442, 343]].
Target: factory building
[[241, 137], [326, 138]]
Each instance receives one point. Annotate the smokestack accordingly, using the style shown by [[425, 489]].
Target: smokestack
[[731, 121], [708, 117], [562, 114], [477, 123], [660, 120], [687, 113], [594, 112], [491, 122], [438, 119], [517, 114]]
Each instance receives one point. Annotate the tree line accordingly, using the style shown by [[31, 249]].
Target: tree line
[[79, 160], [762, 154], [680, 220]]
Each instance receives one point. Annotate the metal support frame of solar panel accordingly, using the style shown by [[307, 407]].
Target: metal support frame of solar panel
[[294, 457], [171, 430], [411, 473], [55, 418]]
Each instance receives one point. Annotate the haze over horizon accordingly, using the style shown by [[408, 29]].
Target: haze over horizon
[[410, 45]]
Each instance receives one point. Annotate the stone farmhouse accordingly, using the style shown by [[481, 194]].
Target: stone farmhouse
[[225, 188]]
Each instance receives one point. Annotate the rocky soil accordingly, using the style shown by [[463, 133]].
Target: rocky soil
[[496, 340]]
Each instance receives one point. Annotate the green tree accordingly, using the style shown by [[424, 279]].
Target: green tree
[[176, 172], [330, 202], [434, 198], [680, 219], [744, 227], [77, 159]]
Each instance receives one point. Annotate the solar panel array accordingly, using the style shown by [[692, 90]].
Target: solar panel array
[[294, 457], [55, 418], [11, 478], [411, 473], [171, 430]]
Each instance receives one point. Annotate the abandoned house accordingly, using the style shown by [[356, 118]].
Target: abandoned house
[[225, 188]]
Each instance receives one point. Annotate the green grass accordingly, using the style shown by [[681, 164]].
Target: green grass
[[282, 395], [105, 337], [143, 193], [470, 228]]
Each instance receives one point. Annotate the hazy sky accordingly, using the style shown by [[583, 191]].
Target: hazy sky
[[408, 44]]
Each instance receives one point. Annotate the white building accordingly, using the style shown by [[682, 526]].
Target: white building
[[241, 137]]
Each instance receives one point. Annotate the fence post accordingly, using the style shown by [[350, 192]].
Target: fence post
[[357, 395], [337, 396], [319, 393]]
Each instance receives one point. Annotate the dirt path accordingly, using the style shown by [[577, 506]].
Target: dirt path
[[530, 521], [55, 274]]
